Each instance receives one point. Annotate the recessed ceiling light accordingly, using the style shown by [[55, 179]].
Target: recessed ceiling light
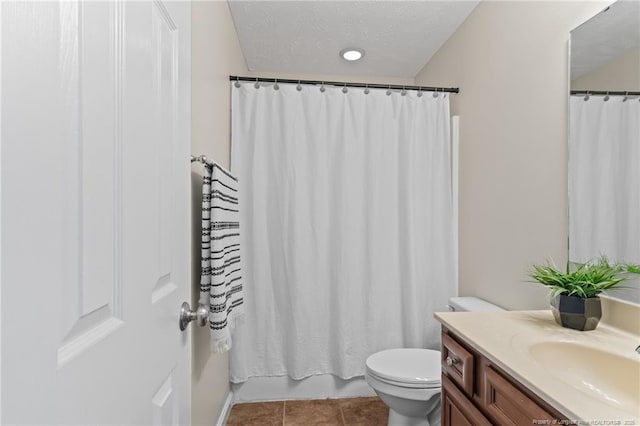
[[351, 54]]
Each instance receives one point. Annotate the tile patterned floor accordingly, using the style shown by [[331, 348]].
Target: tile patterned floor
[[317, 412]]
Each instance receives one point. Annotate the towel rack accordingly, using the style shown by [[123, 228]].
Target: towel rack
[[201, 159], [210, 164]]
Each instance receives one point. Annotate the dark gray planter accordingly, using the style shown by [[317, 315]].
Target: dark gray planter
[[576, 313]]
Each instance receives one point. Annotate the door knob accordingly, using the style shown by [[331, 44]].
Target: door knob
[[187, 315]]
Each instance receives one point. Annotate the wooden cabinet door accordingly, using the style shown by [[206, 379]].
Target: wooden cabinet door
[[507, 405], [457, 410]]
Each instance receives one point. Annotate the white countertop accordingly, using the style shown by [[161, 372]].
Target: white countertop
[[506, 337]]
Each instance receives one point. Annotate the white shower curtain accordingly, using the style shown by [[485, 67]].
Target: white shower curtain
[[346, 210], [604, 179]]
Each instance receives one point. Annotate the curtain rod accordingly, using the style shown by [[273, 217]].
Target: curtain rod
[[343, 84], [604, 92]]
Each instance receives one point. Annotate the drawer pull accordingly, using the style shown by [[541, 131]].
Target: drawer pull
[[450, 361]]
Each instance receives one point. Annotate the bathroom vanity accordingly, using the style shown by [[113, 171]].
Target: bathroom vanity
[[475, 391], [520, 367]]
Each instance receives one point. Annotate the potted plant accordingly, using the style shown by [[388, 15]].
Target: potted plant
[[574, 291]]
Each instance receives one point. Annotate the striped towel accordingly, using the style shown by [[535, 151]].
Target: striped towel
[[221, 281]]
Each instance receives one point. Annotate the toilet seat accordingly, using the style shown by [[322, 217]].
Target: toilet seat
[[410, 368], [399, 384]]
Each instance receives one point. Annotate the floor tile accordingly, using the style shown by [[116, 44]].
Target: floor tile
[[317, 412], [364, 411], [256, 414]]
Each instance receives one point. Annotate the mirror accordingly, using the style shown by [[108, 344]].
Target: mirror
[[604, 140]]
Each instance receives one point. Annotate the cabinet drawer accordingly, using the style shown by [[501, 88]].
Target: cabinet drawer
[[506, 404], [457, 363], [457, 410]]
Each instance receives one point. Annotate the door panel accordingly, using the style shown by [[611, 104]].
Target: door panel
[[91, 298], [165, 407], [165, 84], [95, 212]]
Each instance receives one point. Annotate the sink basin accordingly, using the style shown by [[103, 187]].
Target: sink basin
[[605, 376]]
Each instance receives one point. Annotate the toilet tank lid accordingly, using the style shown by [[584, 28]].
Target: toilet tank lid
[[472, 304]]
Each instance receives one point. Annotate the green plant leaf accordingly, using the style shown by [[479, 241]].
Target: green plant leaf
[[634, 269], [586, 280]]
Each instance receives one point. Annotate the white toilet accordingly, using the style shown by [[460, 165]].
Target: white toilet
[[408, 380]]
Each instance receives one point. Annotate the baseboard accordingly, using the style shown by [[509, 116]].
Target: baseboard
[[226, 409]]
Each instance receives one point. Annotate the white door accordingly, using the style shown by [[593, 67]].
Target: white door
[[95, 140]]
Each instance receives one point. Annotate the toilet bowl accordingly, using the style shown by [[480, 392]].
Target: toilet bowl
[[408, 381]]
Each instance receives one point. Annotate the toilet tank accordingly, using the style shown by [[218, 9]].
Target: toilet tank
[[471, 304]]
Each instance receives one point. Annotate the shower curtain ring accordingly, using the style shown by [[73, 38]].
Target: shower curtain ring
[[606, 97], [403, 92], [237, 83], [586, 96], [626, 96], [389, 91], [257, 85], [299, 86], [276, 86], [420, 92], [322, 88], [344, 89], [366, 88]]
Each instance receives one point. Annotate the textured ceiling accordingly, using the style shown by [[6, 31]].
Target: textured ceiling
[[399, 37], [605, 37]]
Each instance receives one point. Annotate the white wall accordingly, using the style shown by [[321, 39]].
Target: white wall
[[621, 73], [510, 61], [215, 55], [334, 77]]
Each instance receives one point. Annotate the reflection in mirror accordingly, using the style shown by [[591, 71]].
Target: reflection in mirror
[[604, 140]]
